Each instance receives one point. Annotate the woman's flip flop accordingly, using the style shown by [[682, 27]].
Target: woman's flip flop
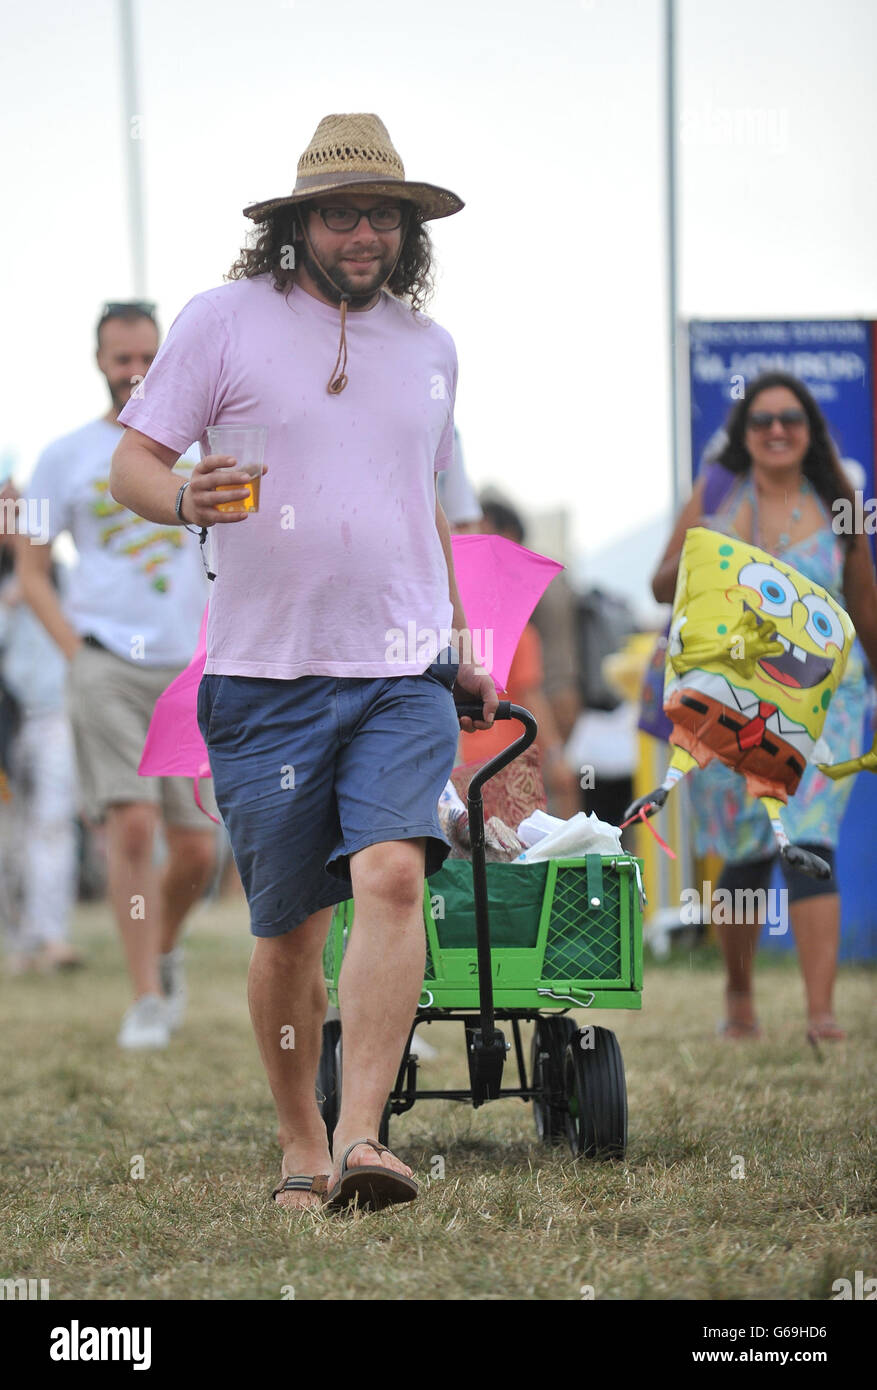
[[375, 1187]]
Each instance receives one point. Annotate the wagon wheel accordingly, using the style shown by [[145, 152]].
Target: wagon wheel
[[329, 1076], [550, 1038], [596, 1094], [333, 1062]]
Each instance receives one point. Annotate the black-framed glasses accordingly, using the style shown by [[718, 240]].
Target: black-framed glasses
[[763, 419], [382, 219]]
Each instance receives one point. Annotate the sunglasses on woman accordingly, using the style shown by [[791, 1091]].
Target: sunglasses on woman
[[763, 419]]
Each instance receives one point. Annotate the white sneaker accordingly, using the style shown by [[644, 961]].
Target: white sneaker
[[173, 986], [145, 1024]]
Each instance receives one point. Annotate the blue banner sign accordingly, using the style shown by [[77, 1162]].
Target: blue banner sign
[[833, 358]]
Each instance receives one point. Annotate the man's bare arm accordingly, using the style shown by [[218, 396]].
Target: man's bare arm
[[141, 479], [34, 566], [444, 530]]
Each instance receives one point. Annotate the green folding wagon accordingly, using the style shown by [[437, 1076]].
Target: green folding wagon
[[516, 943]]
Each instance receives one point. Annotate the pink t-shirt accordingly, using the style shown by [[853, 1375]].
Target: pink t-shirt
[[341, 572]]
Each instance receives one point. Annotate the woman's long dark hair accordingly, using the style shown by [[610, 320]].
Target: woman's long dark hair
[[412, 278], [821, 465]]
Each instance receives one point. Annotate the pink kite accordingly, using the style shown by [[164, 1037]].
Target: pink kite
[[174, 746], [500, 584]]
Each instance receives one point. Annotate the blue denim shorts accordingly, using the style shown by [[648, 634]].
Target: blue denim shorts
[[310, 771]]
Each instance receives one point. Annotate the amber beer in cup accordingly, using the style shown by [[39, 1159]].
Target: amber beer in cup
[[246, 445]]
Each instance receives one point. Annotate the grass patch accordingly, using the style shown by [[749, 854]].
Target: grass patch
[[510, 1220]]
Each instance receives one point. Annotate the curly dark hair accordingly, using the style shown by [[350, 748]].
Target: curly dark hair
[[412, 277], [821, 465]]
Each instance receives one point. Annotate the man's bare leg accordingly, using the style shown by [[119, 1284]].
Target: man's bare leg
[[286, 989], [190, 862], [130, 832], [380, 984]]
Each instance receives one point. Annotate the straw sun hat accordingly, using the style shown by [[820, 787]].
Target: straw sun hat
[[354, 154]]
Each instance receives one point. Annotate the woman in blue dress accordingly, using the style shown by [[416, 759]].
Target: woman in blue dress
[[784, 477]]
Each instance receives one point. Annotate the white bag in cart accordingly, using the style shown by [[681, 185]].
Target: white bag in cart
[[568, 839], [537, 826]]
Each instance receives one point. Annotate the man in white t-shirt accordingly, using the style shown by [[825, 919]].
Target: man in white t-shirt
[[457, 495], [128, 624]]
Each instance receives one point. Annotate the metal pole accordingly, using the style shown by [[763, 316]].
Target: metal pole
[[133, 136], [672, 278], [680, 470]]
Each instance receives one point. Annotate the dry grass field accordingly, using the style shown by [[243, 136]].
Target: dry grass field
[[510, 1219]]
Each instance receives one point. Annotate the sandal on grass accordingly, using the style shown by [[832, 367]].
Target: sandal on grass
[[303, 1183], [376, 1187]]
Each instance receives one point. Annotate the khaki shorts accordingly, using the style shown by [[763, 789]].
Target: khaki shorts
[[110, 703]]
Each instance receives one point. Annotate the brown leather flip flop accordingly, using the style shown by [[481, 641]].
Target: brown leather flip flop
[[303, 1183], [376, 1187]]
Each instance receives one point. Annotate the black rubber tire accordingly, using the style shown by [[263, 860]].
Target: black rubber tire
[[551, 1036], [596, 1096], [329, 1076]]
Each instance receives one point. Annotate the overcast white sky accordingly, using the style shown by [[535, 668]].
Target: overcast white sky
[[546, 118]]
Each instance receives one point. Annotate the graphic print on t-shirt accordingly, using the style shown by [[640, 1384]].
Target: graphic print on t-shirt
[[149, 547]]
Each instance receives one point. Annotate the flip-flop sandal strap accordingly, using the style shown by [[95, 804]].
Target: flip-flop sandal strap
[[302, 1183], [369, 1143]]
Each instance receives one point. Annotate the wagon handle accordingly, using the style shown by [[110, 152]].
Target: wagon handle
[[474, 709], [506, 710]]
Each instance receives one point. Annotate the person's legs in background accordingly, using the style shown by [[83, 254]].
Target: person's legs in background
[[112, 701], [739, 941], [20, 954], [132, 882], [46, 750], [814, 911], [150, 910], [191, 861]]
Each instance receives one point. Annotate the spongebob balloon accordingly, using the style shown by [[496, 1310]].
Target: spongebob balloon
[[755, 654]]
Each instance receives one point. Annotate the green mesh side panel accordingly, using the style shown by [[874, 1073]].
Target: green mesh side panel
[[584, 943], [429, 972]]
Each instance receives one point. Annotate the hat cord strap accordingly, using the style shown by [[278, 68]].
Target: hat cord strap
[[337, 383]]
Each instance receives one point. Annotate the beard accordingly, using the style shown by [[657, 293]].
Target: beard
[[120, 394], [341, 283]]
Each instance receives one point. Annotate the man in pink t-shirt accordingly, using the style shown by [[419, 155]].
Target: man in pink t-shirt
[[336, 630]]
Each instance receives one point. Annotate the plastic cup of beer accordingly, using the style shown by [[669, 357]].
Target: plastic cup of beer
[[246, 445]]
